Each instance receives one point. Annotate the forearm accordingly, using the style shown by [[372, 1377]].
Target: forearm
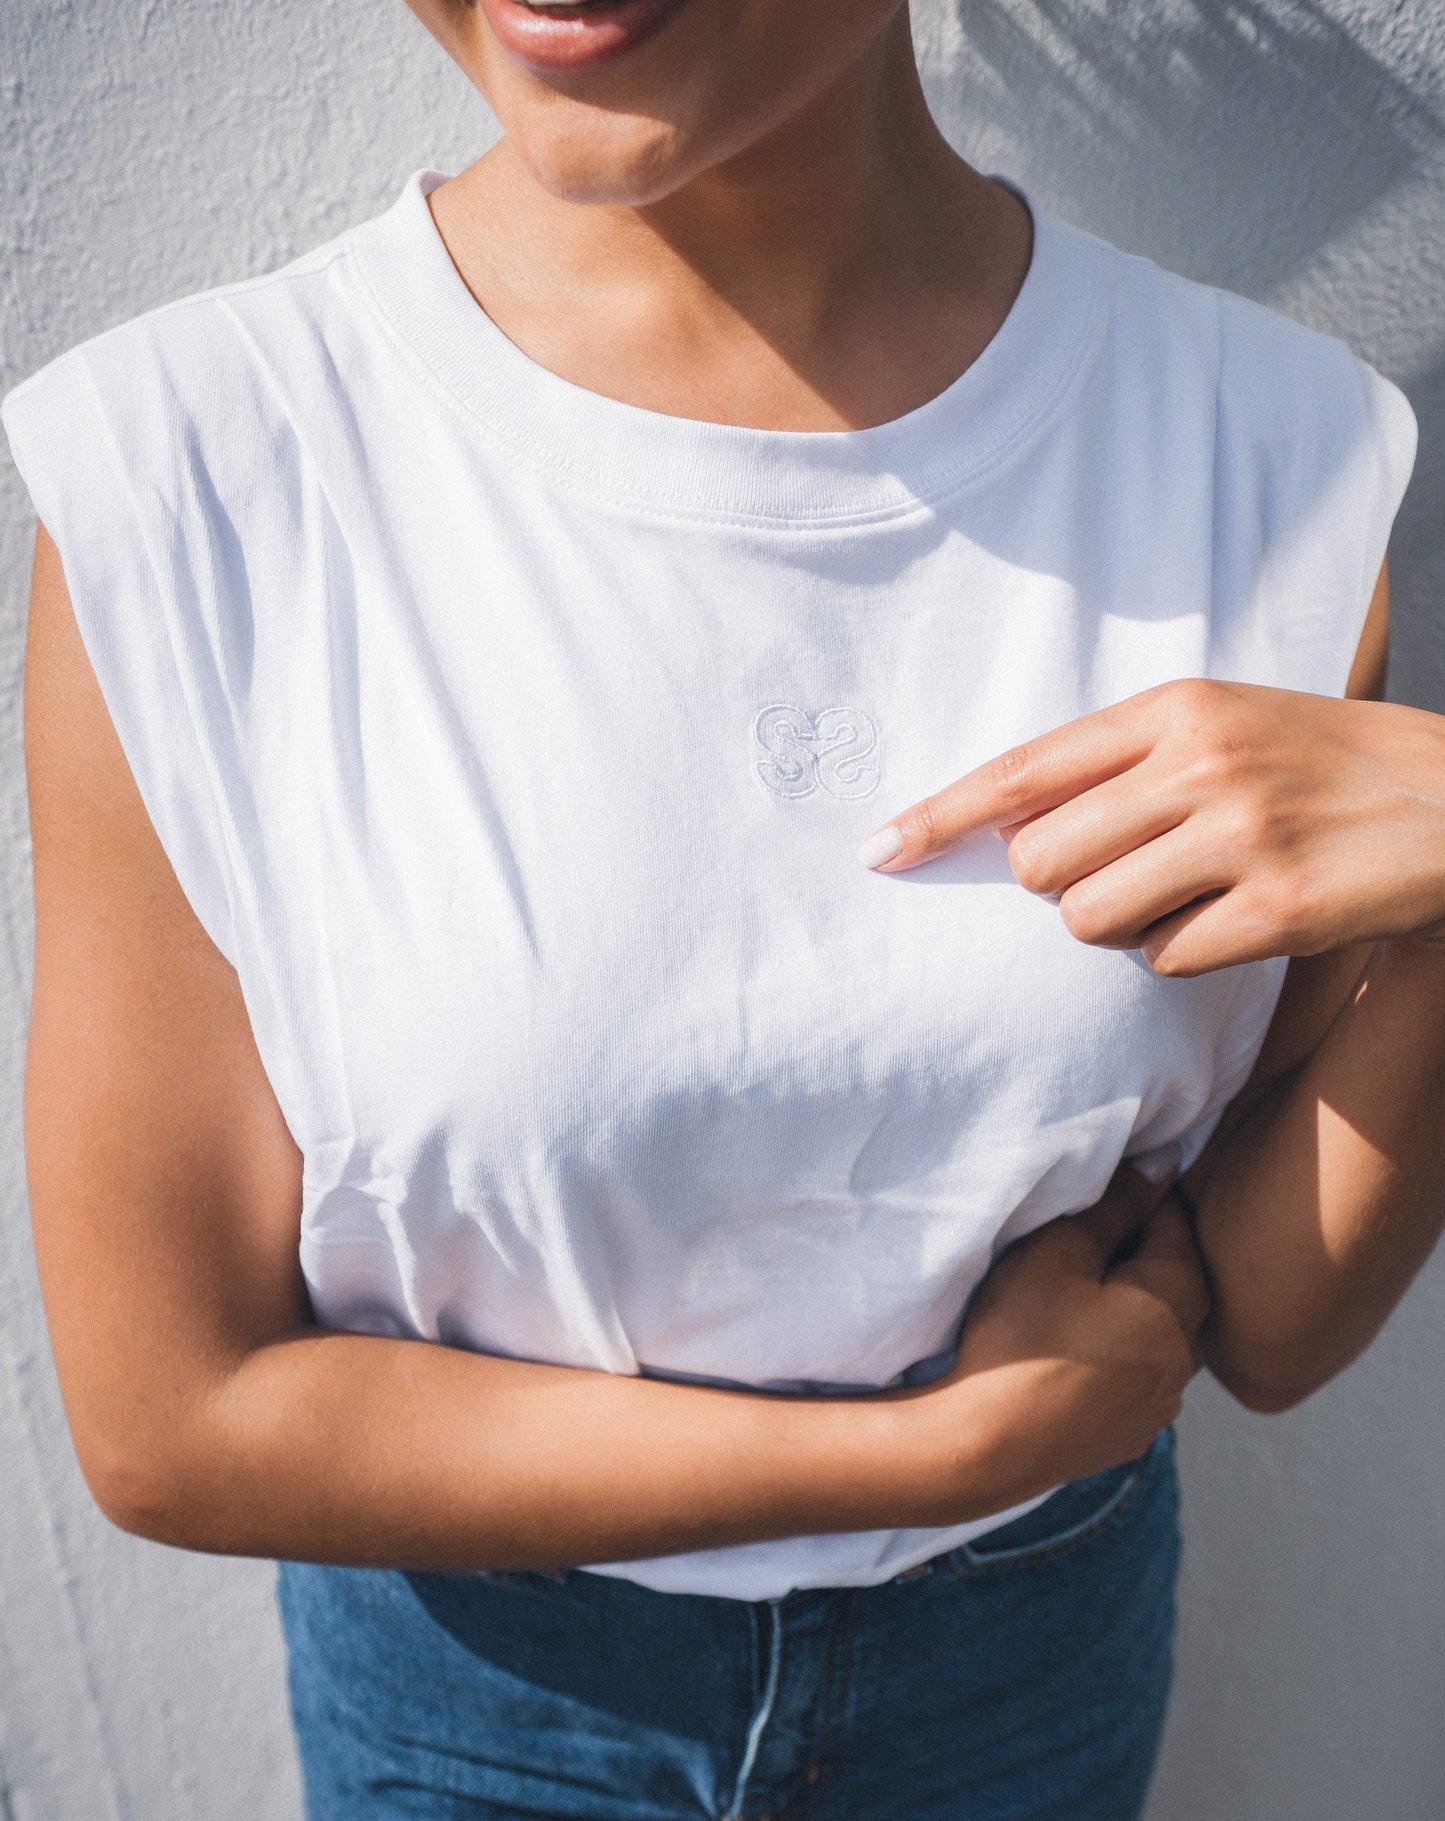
[[1316, 1212], [351, 1449]]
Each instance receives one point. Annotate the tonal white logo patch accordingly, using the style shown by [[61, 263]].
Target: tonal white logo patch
[[829, 751]]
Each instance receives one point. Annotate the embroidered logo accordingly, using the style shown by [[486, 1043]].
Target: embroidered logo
[[829, 751]]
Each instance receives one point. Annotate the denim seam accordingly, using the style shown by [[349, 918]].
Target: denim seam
[[966, 1566], [764, 1711], [833, 1719]]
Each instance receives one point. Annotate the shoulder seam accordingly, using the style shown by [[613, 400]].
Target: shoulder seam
[[217, 295]]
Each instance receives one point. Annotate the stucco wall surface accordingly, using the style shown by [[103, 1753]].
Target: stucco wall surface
[[1292, 149]]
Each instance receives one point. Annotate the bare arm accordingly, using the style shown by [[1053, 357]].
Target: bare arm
[[1315, 1209], [1321, 1195], [209, 1410], [1209, 824]]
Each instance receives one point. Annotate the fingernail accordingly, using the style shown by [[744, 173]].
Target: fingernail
[[883, 845]]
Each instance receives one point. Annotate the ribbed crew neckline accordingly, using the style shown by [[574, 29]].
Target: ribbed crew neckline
[[692, 468]]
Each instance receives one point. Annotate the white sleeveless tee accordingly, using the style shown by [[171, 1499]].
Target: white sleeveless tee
[[515, 746]]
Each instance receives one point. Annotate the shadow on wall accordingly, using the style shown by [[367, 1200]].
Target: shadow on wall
[[1262, 145], [1417, 555], [1114, 110]]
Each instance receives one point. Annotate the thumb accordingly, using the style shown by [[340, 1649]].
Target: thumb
[[1121, 1214]]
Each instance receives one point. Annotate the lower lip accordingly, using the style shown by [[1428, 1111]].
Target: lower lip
[[576, 40]]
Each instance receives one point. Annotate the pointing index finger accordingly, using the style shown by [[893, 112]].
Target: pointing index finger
[[1014, 787]]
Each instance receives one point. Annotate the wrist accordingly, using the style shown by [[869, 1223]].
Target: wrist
[[960, 1451], [900, 1459]]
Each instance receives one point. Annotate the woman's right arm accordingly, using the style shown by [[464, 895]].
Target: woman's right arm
[[209, 1411]]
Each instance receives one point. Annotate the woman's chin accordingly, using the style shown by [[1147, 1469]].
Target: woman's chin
[[606, 159]]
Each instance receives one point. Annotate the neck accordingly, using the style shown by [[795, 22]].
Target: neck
[[839, 271]]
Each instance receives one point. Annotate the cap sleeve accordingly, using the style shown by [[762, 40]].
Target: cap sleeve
[[1392, 437], [1314, 451], [102, 447]]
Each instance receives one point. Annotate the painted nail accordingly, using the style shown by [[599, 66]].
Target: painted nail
[[883, 845]]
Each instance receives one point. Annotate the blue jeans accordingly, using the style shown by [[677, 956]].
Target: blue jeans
[[1022, 1677]]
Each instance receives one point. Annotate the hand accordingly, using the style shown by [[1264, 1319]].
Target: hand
[[1213, 823], [1079, 1343]]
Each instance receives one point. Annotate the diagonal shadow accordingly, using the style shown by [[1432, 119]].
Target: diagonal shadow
[[1235, 141], [1154, 122], [1417, 558]]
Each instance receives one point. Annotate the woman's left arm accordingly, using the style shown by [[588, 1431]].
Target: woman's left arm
[[1324, 1193], [1210, 824]]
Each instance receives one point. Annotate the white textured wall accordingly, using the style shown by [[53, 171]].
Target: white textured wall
[[1294, 149]]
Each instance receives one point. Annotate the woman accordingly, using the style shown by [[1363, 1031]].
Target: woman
[[462, 669]]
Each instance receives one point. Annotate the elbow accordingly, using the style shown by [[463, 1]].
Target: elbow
[[162, 1458], [186, 1475], [147, 1487], [1266, 1399], [135, 1490], [1268, 1383]]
